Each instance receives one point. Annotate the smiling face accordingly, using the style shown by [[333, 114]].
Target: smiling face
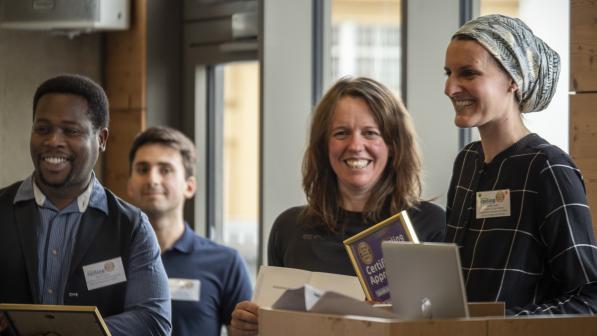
[[481, 92], [157, 183], [357, 152], [64, 144]]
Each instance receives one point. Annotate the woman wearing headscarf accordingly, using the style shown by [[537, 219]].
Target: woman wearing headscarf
[[516, 204], [361, 166]]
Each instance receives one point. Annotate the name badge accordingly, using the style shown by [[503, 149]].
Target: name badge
[[104, 273], [494, 203], [184, 289]]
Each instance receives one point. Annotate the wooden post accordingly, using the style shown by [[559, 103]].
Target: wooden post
[[583, 99], [126, 86]]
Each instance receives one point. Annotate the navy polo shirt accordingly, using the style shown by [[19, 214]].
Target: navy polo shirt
[[223, 282]]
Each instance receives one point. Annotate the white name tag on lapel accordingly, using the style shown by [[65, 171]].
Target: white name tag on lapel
[[184, 289], [104, 273]]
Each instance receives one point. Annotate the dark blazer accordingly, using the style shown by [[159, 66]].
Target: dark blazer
[[99, 238]]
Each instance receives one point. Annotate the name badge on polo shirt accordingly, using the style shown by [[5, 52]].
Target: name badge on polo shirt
[[104, 273], [184, 289], [493, 203]]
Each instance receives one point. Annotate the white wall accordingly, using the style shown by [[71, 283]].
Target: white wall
[[552, 25], [26, 60], [430, 25], [286, 104]]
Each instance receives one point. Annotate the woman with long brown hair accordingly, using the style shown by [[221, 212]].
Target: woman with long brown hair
[[361, 166]]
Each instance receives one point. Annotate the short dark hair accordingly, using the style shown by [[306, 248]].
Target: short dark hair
[[80, 86], [168, 137]]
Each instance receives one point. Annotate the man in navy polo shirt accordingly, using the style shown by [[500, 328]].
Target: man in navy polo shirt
[[206, 279]]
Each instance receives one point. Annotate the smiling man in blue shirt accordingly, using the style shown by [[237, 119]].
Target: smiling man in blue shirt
[[206, 279], [64, 238]]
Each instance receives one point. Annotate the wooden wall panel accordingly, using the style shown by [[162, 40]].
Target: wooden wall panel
[[126, 85], [589, 172], [583, 143], [583, 104], [125, 125], [583, 125], [583, 45]]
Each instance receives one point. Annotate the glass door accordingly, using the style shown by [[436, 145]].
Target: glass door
[[240, 174]]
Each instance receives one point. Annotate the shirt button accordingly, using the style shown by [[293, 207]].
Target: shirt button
[[54, 252], [50, 290]]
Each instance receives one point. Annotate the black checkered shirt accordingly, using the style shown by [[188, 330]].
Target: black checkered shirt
[[541, 259]]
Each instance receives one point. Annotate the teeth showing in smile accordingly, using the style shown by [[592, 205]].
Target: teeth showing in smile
[[55, 160], [358, 164], [462, 103]]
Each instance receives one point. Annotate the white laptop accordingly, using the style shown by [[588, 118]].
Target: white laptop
[[425, 280]]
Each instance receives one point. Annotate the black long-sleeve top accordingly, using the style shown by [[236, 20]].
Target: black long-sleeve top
[[542, 258]]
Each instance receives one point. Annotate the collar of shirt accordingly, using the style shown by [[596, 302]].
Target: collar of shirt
[[529, 140], [185, 243], [94, 195]]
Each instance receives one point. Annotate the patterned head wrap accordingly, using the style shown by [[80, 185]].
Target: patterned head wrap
[[531, 63]]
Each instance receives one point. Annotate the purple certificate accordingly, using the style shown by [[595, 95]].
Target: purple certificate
[[365, 253]]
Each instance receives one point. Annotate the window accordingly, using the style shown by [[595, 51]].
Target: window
[[366, 41], [241, 160]]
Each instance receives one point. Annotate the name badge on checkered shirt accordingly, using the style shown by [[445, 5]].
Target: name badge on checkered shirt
[[493, 203]]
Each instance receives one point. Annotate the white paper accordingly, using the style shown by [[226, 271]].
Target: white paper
[[273, 281], [313, 300], [338, 304], [291, 299], [312, 295]]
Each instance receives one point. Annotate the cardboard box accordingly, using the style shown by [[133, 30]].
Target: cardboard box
[[291, 323], [554, 325], [486, 309]]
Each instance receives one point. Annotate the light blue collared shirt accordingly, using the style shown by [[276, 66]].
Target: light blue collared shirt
[[147, 303]]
